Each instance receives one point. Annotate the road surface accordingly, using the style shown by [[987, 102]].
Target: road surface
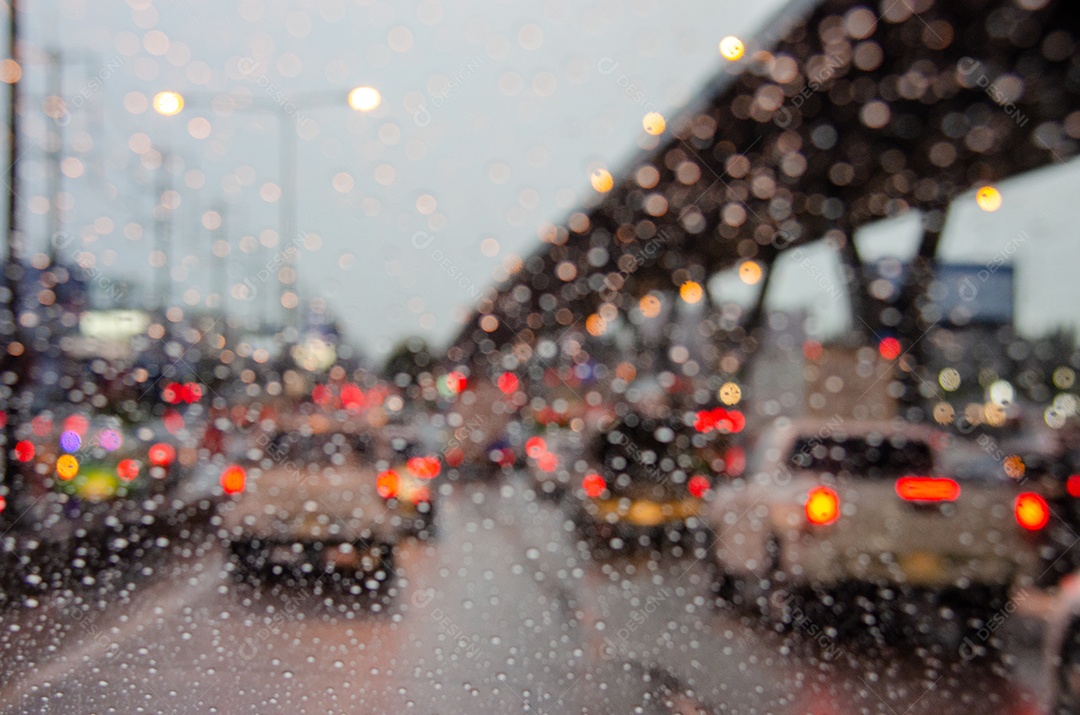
[[506, 610]]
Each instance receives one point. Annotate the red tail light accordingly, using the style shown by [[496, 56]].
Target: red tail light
[[127, 469], [1032, 512], [1073, 485], [424, 467], [162, 454], [594, 485], [386, 484], [535, 447], [927, 489], [233, 479], [822, 506], [698, 485]]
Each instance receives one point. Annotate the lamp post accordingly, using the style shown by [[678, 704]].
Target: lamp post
[[360, 99]]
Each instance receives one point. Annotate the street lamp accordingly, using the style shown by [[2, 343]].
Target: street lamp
[[361, 99]]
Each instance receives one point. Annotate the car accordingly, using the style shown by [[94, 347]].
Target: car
[[647, 477], [406, 482], [309, 509], [826, 505], [552, 461]]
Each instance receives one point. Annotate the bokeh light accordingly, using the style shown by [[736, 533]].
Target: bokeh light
[[168, 103], [732, 48], [691, 292], [729, 393], [889, 348], [750, 272], [70, 441], [67, 467], [602, 180], [364, 99], [127, 469], [654, 123], [988, 198]]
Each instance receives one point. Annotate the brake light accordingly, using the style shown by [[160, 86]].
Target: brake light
[[927, 489], [233, 479], [162, 454], [24, 450], [822, 506], [424, 467], [386, 484], [1032, 512], [1073, 485], [127, 469], [594, 485], [698, 485], [535, 447]]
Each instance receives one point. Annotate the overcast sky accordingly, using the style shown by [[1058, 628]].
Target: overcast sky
[[493, 116]]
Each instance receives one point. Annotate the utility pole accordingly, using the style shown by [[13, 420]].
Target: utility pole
[[55, 149], [163, 229], [219, 268], [13, 357]]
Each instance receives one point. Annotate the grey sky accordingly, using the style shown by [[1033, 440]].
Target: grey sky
[[493, 115], [509, 144]]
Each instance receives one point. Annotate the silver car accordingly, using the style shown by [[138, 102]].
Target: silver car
[[825, 504], [310, 508]]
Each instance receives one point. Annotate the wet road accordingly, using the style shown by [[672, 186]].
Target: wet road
[[505, 611]]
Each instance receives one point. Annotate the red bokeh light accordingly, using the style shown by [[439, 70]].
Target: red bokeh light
[[173, 421], [1073, 486], [594, 485], [454, 456], [455, 382], [127, 469], [698, 485], [735, 461], [191, 392], [233, 479], [889, 348], [77, 424], [24, 450], [321, 395], [548, 462], [508, 383], [424, 467], [352, 397], [171, 393], [162, 454], [386, 484], [41, 425], [535, 447]]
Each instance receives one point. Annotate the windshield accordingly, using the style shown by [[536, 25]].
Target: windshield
[[601, 356]]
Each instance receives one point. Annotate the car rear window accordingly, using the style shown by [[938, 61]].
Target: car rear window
[[651, 449], [869, 457]]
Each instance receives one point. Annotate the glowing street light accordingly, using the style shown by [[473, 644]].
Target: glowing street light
[[168, 103], [364, 99]]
